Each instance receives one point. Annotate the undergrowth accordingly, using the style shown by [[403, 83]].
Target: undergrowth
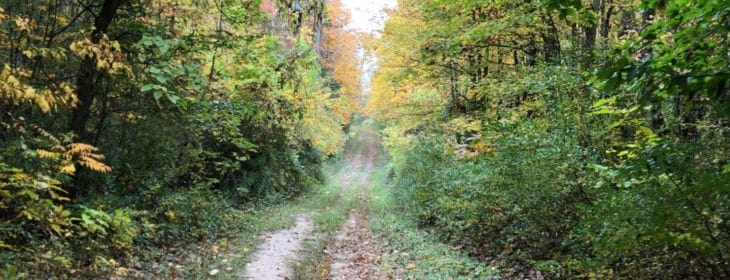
[[413, 252]]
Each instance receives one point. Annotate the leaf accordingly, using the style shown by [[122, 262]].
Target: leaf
[[164, 47], [57, 228], [173, 98], [68, 169], [146, 88]]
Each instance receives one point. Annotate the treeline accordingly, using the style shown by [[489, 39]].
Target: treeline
[[132, 125], [564, 138]]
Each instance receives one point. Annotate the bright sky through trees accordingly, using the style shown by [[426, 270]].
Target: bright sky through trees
[[368, 16]]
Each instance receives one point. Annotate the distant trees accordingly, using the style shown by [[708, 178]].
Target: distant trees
[[339, 51]]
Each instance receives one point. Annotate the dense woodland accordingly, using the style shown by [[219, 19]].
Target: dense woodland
[[127, 124], [584, 139], [551, 138]]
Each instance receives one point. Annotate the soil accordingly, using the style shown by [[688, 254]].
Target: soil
[[271, 261]]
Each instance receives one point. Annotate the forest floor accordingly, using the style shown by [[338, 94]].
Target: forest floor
[[351, 228]]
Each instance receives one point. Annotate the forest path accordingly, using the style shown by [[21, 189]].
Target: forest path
[[271, 261], [355, 253]]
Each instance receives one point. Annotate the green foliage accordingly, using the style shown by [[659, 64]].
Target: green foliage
[[527, 163], [196, 109], [422, 254], [198, 213], [518, 198]]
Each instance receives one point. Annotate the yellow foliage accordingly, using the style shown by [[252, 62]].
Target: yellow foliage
[[462, 124], [83, 154], [339, 48], [12, 89], [400, 90], [94, 165], [68, 169], [322, 124], [108, 54], [24, 24], [86, 156], [59, 220], [47, 154], [79, 148], [56, 142]]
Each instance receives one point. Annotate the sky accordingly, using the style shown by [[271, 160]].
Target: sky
[[368, 15]]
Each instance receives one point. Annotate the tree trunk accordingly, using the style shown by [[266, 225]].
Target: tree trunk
[[590, 32], [606, 13], [550, 38], [86, 82], [88, 74]]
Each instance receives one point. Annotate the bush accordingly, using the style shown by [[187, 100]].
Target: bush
[[194, 214]]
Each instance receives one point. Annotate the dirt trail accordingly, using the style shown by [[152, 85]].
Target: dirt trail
[[271, 261], [355, 253]]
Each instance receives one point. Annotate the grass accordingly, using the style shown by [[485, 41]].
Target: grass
[[328, 207], [413, 252], [315, 260]]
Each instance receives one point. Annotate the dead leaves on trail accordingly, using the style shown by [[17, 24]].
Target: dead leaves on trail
[[356, 255]]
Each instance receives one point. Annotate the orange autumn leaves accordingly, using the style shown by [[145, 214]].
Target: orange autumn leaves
[[339, 54]]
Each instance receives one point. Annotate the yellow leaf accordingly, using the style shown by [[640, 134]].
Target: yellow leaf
[[62, 20], [57, 228], [11, 80], [22, 23], [411, 266], [74, 47], [170, 215], [122, 271], [47, 154], [68, 169]]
